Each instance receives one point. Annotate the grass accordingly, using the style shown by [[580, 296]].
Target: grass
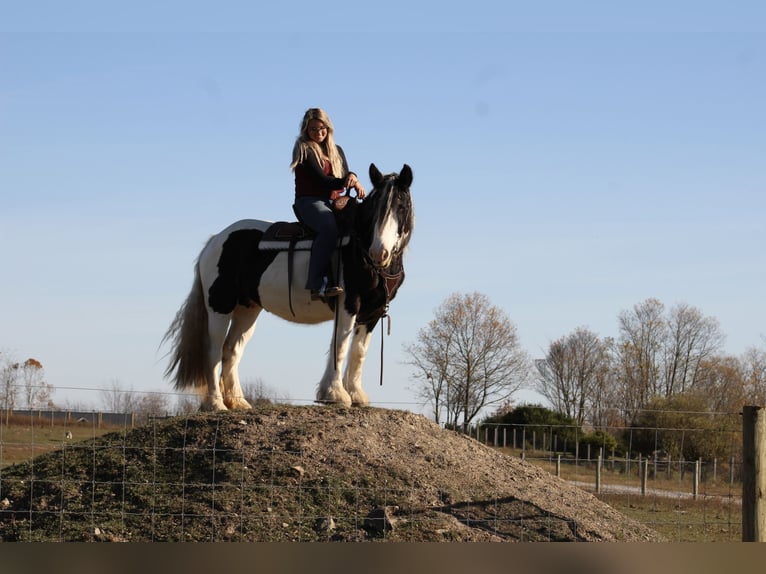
[[681, 519], [23, 438]]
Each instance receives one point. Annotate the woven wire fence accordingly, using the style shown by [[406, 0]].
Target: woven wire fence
[[696, 499], [80, 486]]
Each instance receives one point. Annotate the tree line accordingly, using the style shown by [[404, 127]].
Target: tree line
[[23, 386], [469, 358]]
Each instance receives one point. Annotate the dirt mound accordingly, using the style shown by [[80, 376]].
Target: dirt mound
[[283, 473]]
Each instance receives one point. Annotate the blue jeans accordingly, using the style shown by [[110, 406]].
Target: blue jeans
[[317, 214]]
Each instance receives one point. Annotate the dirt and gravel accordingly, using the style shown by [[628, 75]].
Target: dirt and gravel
[[292, 473]]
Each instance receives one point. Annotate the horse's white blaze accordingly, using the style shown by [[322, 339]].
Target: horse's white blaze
[[385, 241]]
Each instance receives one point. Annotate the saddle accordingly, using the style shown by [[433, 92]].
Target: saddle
[[291, 236], [287, 231]]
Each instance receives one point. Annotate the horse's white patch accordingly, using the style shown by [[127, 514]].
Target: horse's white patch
[[385, 241], [276, 299]]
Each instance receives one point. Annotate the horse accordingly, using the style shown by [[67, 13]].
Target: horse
[[255, 265]]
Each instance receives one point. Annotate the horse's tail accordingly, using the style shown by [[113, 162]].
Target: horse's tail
[[190, 340]]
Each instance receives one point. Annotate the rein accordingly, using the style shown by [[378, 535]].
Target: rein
[[390, 283]]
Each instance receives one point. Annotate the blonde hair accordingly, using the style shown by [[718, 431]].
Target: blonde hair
[[305, 145]]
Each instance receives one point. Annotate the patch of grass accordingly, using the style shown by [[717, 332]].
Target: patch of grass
[[681, 519], [25, 438]]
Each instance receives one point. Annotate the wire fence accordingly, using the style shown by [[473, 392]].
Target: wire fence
[[686, 500]]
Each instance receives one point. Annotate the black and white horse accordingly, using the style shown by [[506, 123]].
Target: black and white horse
[[254, 265]]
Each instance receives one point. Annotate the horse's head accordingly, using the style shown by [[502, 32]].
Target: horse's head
[[391, 215]]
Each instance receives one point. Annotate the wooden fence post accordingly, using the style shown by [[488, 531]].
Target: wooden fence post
[[644, 475], [598, 473], [753, 474], [696, 480]]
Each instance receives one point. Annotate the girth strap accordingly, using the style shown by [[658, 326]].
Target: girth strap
[[290, 258]]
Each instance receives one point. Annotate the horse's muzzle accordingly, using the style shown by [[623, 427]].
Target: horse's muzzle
[[380, 259]]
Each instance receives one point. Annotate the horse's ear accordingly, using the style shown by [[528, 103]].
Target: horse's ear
[[405, 176], [375, 176]]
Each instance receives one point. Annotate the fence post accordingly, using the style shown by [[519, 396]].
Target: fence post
[[598, 473], [558, 466], [753, 474], [696, 480], [644, 475]]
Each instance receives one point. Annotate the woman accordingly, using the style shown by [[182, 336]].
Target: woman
[[321, 173]]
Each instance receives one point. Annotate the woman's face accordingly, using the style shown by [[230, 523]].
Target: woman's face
[[317, 131]]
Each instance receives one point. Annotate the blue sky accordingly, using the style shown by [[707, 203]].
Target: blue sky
[[570, 161]]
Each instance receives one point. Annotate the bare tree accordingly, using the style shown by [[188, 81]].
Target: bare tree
[[259, 392], [9, 374], [640, 346], [468, 358], [186, 404], [117, 399], [573, 375], [692, 338], [754, 374], [431, 358], [151, 404], [37, 393], [23, 382], [721, 383]]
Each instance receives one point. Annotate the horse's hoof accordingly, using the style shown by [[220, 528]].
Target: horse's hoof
[[213, 405], [239, 404], [360, 399], [341, 398]]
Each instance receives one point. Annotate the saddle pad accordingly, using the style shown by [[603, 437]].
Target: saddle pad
[[294, 243]]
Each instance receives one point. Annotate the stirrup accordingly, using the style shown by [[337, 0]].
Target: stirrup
[[326, 292]]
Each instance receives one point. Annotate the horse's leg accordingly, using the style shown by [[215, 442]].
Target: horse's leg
[[352, 380], [331, 386], [217, 326], [240, 332]]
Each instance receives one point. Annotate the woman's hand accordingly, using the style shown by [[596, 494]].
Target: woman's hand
[[353, 181]]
